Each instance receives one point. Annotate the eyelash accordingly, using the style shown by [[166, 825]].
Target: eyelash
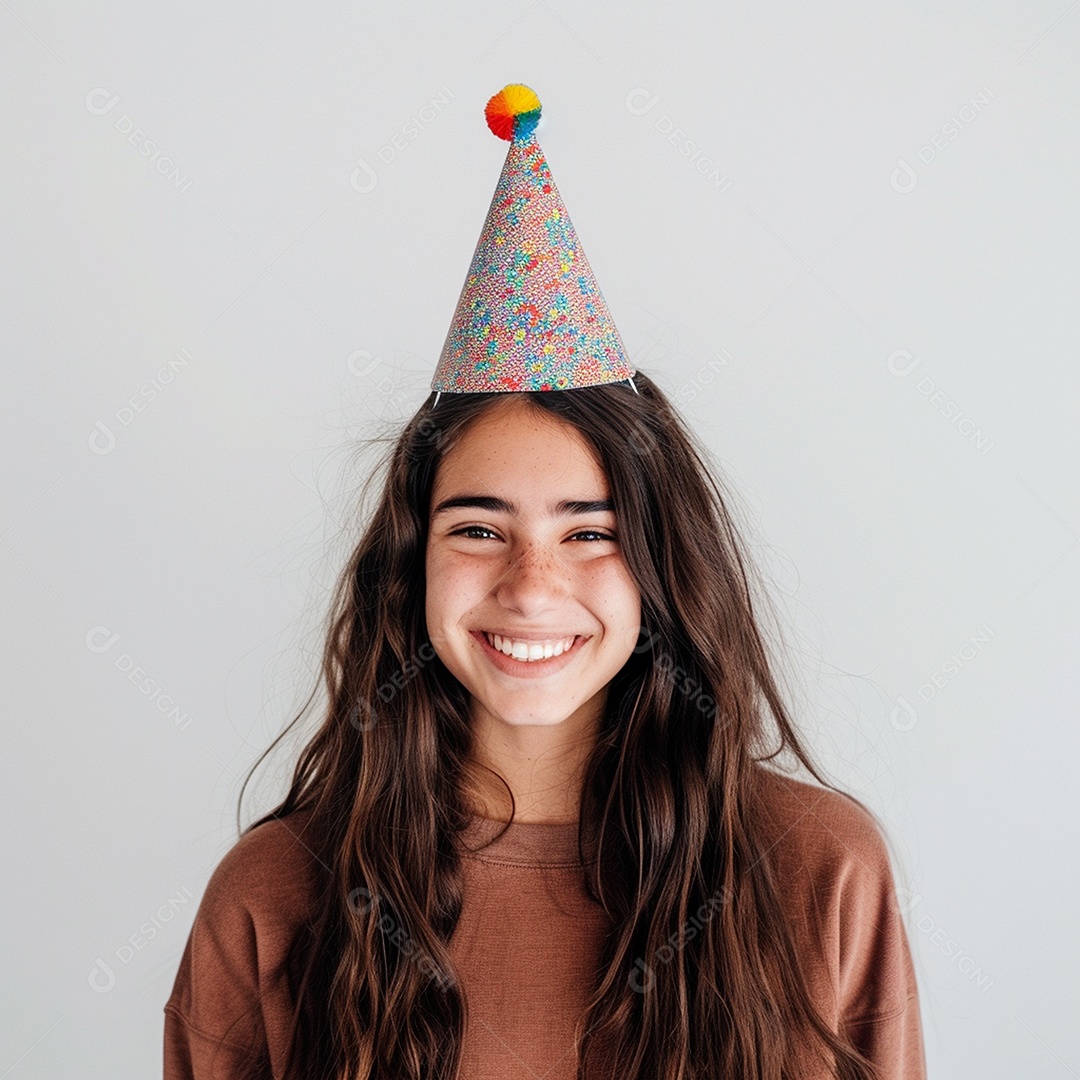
[[484, 528]]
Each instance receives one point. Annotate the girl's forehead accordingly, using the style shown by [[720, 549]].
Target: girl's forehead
[[521, 476], [521, 446]]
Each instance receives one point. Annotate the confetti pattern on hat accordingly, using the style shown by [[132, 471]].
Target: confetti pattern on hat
[[530, 315]]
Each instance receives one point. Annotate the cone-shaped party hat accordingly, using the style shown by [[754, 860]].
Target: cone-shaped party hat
[[530, 315]]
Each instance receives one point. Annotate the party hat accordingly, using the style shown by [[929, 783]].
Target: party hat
[[530, 315]]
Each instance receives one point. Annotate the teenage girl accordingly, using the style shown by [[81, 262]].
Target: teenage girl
[[547, 622], [541, 831]]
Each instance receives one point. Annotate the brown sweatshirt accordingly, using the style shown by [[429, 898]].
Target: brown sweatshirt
[[528, 944]]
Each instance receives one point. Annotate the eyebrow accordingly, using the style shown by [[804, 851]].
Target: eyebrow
[[494, 504]]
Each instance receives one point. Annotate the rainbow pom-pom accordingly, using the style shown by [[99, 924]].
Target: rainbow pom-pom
[[513, 112]]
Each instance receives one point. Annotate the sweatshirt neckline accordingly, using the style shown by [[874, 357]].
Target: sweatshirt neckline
[[521, 843]]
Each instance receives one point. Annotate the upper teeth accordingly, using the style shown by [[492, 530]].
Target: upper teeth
[[529, 650]]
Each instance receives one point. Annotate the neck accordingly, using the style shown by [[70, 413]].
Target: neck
[[542, 765]]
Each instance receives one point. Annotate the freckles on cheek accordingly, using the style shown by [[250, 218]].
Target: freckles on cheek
[[610, 578], [452, 579]]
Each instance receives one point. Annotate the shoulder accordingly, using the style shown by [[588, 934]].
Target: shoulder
[[269, 873], [834, 878], [816, 828]]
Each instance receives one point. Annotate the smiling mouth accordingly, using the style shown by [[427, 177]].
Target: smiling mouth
[[530, 652]]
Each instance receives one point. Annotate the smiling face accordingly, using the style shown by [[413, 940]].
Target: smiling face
[[522, 543]]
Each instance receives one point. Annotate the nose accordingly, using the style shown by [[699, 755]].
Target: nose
[[533, 581]]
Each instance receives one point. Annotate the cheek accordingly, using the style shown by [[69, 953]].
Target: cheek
[[615, 597], [434, 589], [453, 583]]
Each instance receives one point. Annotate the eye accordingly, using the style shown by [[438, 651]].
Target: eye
[[484, 529], [471, 529]]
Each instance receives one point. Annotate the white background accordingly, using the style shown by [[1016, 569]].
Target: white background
[[842, 236]]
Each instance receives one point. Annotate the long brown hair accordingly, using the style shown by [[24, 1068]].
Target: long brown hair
[[669, 803]]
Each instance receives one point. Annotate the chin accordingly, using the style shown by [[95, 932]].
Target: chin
[[522, 714]]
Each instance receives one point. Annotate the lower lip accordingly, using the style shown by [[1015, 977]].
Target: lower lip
[[534, 669]]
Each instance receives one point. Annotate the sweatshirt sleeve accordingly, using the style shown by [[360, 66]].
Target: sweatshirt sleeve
[[836, 885], [230, 976], [215, 982], [879, 1004]]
